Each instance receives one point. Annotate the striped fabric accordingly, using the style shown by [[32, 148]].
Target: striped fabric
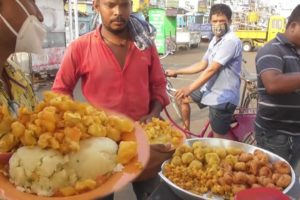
[[278, 112], [142, 32]]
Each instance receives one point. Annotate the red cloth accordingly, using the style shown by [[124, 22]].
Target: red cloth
[[261, 194], [105, 84]]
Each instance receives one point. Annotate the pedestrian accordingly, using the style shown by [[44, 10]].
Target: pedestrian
[[24, 33], [277, 124], [119, 69], [218, 86]]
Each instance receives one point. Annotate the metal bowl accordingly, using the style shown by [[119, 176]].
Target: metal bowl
[[215, 142]]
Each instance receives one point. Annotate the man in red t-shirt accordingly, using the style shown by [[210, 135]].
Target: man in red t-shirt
[[120, 70]]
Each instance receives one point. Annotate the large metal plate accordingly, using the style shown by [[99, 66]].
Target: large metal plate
[[215, 142]]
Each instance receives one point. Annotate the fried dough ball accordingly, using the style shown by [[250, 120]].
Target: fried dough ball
[[256, 185], [240, 166], [208, 149], [275, 177], [282, 167], [228, 178], [271, 185], [226, 166], [221, 181], [196, 164], [265, 171], [284, 180], [199, 153], [218, 189], [212, 159], [236, 188], [127, 151], [234, 151], [187, 158], [264, 180], [245, 157], [262, 156], [240, 178], [182, 149], [198, 144], [253, 166], [251, 179], [176, 161], [221, 152], [231, 159], [17, 129]]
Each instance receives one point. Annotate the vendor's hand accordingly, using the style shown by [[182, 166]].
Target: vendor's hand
[[182, 93], [158, 154], [148, 118], [171, 73]]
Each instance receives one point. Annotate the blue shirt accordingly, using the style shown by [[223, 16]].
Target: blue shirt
[[224, 86]]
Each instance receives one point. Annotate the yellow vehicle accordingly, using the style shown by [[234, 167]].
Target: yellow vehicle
[[258, 37]]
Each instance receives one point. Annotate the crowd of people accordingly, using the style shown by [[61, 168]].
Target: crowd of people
[[121, 57]]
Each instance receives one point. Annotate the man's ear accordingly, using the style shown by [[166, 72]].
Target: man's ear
[[95, 4]]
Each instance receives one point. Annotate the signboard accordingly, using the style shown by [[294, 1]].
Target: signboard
[[172, 3], [55, 42], [157, 3], [135, 5], [189, 5], [202, 6], [157, 19]]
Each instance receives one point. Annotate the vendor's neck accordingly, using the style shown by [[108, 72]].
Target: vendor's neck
[[123, 35]]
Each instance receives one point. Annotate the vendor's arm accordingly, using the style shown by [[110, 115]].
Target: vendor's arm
[[155, 110], [157, 85], [68, 73]]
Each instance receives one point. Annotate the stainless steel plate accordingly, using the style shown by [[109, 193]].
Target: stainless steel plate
[[215, 142]]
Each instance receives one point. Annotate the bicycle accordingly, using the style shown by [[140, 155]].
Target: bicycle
[[170, 88], [243, 117]]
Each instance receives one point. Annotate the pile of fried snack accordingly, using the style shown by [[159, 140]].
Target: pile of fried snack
[[161, 132], [204, 169], [59, 124]]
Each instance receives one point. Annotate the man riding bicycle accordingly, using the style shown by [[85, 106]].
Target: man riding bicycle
[[218, 86]]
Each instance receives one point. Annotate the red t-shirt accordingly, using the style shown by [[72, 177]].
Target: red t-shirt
[[105, 84]]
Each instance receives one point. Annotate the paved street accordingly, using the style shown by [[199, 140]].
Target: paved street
[[198, 117]]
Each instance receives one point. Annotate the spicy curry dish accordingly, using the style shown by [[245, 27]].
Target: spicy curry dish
[[203, 169], [63, 147]]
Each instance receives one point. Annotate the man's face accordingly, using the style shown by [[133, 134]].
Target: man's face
[[295, 33], [114, 13], [219, 21]]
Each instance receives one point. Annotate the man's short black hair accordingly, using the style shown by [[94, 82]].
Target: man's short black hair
[[220, 9], [295, 16]]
